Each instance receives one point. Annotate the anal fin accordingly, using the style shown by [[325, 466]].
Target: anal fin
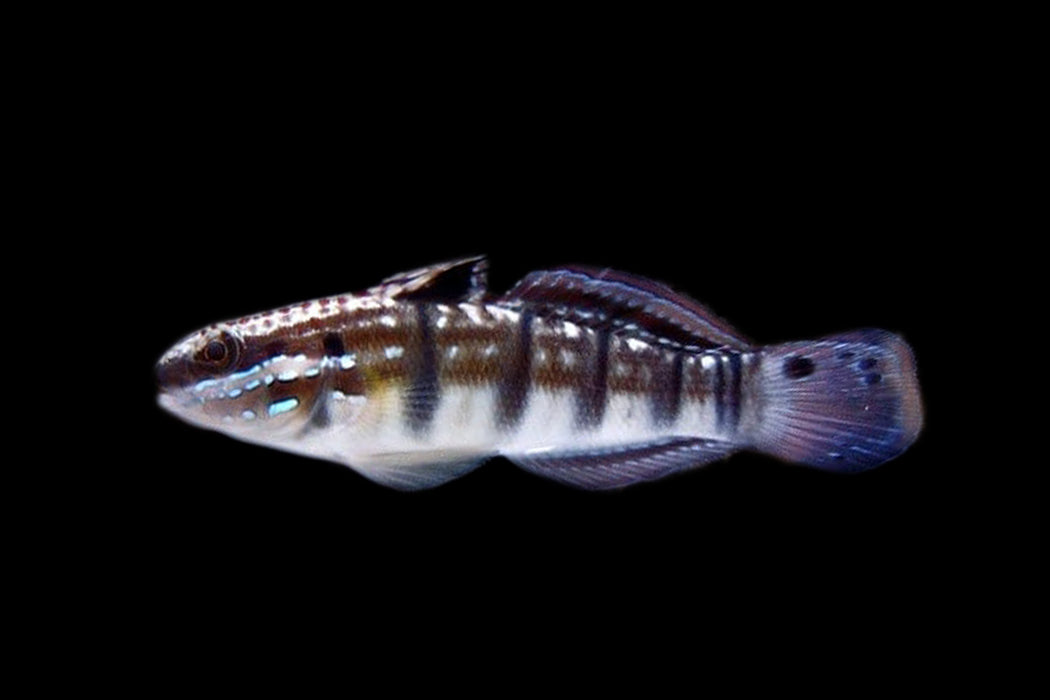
[[610, 468]]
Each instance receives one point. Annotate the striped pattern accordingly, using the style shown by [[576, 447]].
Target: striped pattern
[[592, 384], [515, 380], [666, 393], [516, 354], [592, 377], [731, 399], [421, 349], [423, 391], [389, 379]]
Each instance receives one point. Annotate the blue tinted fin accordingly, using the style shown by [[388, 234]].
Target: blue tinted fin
[[843, 403], [612, 468], [597, 297]]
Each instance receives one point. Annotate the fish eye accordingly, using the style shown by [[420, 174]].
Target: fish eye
[[219, 353], [215, 351]]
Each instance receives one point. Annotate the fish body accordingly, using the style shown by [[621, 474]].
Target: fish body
[[595, 378]]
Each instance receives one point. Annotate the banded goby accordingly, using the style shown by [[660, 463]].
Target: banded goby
[[595, 378]]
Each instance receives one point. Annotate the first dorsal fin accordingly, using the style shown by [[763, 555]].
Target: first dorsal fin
[[618, 298], [459, 280]]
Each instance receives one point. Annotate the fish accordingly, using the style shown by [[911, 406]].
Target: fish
[[594, 378]]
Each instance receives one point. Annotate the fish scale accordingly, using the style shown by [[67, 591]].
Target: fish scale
[[469, 345], [595, 378]]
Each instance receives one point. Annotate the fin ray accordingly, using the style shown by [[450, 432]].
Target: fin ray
[[844, 403], [465, 279], [619, 298], [415, 471], [611, 468]]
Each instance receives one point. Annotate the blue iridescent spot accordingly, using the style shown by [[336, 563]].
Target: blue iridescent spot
[[237, 376], [283, 406]]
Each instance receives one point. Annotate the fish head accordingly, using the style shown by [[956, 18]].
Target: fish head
[[262, 390]]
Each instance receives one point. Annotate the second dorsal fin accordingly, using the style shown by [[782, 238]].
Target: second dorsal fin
[[459, 280], [618, 298]]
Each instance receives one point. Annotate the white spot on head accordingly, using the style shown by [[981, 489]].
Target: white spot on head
[[388, 320], [452, 352], [491, 350], [202, 385], [572, 330], [394, 351], [568, 358], [442, 320], [237, 376], [708, 362], [248, 415], [312, 372], [348, 361], [287, 375]]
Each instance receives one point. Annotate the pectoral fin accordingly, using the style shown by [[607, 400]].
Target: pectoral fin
[[415, 471]]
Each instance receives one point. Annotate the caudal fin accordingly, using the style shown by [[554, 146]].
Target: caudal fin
[[843, 403]]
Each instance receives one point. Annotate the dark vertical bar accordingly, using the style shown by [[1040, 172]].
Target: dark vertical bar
[[513, 385], [333, 345], [422, 397], [594, 385], [667, 395], [719, 393], [733, 392], [319, 417]]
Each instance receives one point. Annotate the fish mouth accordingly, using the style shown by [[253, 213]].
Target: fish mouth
[[168, 379], [182, 404], [166, 401]]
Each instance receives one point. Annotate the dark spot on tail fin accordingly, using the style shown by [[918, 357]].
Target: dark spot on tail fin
[[843, 403], [796, 367]]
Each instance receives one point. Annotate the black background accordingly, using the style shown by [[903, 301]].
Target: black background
[[809, 230], [794, 198]]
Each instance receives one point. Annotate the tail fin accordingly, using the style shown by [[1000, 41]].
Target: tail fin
[[844, 403]]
